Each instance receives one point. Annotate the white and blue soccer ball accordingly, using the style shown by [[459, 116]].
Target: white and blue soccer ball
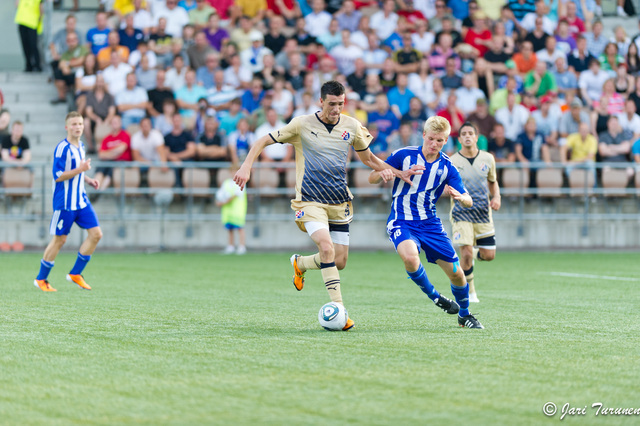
[[333, 316]]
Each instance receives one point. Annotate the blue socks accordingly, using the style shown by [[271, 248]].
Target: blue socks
[[420, 278], [45, 268], [81, 262], [462, 298]]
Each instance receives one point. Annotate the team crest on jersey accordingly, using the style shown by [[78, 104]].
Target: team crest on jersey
[[299, 214], [439, 172], [456, 236], [484, 167], [346, 136]]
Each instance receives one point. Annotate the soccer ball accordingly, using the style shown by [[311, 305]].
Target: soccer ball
[[333, 316]]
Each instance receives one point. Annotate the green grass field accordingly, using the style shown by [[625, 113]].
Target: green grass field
[[192, 339]]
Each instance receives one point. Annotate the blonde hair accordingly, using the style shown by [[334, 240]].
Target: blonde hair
[[72, 114], [437, 124]]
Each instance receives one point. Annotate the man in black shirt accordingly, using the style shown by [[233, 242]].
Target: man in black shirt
[[210, 146], [15, 147], [158, 95], [274, 39], [179, 145]]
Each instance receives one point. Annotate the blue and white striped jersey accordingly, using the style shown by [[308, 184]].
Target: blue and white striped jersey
[[418, 201], [68, 194]]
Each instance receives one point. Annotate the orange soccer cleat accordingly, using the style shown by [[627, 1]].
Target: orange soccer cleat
[[78, 279], [298, 275], [349, 325], [43, 285]]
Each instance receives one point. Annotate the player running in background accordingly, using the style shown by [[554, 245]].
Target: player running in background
[[474, 226], [322, 205], [413, 223], [70, 204]]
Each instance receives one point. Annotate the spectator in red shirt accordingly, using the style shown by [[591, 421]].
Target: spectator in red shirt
[[116, 146], [576, 25], [411, 15], [455, 117], [479, 36]]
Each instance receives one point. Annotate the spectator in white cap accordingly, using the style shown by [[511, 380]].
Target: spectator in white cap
[[252, 58]]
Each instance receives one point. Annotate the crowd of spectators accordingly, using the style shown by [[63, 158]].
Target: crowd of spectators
[[202, 79]]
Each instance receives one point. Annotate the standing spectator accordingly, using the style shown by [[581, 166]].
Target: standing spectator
[[132, 102], [210, 146], [70, 62], [115, 75], [233, 202], [101, 107], [199, 51], [513, 117], [116, 146], [147, 145], [113, 45], [97, 37], [176, 17], [158, 95], [187, 96], [15, 146]]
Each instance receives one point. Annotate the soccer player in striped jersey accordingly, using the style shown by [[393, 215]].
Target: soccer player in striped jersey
[[322, 204], [474, 226], [70, 204], [413, 223]]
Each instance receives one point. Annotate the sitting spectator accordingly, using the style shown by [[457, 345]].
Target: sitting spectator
[[58, 44], [539, 81], [332, 37], [282, 99], [132, 102], [623, 81], [240, 141], [200, 15], [629, 120], [451, 78], [204, 111], [455, 117], [158, 95], [550, 53], [399, 97], [239, 77], [199, 51], [387, 124], [351, 108], [101, 107], [253, 57], [274, 152], [436, 100], [591, 82], [176, 17], [147, 145], [416, 116], [404, 137], [441, 52], [307, 106], [485, 122], [15, 146], [146, 75], [500, 147], [98, 35], [187, 97], [85, 82], [70, 61], [513, 117], [347, 54], [179, 146], [204, 74], [164, 122], [580, 57], [529, 148], [104, 55], [408, 57], [115, 75], [610, 59], [566, 81], [116, 146], [175, 77], [565, 41], [210, 144], [478, 36], [229, 119], [570, 120], [615, 144], [220, 94], [252, 97], [143, 51], [635, 151], [499, 97], [469, 94], [583, 147], [547, 120], [348, 17], [160, 43], [525, 59], [130, 36], [5, 117], [511, 73], [596, 41]]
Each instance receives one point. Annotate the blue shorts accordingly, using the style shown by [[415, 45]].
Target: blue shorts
[[62, 220], [231, 226], [428, 236]]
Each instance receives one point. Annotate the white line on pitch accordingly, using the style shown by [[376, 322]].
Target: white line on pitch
[[594, 277]]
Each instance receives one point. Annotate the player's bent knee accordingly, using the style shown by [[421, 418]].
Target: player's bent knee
[[488, 255], [411, 262]]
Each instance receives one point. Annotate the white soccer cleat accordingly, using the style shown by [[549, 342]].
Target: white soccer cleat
[[229, 250], [241, 250]]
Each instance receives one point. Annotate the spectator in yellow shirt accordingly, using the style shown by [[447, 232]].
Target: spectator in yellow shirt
[[583, 146]]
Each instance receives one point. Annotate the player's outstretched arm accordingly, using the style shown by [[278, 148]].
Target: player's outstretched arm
[[244, 173], [464, 199], [368, 158]]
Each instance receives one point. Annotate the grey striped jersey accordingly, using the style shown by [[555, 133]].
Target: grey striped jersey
[[475, 173]]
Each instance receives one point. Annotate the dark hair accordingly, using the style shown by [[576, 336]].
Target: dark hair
[[468, 124], [331, 87]]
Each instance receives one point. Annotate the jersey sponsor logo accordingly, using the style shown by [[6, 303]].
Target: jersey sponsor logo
[[346, 135], [299, 214]]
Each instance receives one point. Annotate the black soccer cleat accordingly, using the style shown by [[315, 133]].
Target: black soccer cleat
[[447, 305], [469, 321]]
